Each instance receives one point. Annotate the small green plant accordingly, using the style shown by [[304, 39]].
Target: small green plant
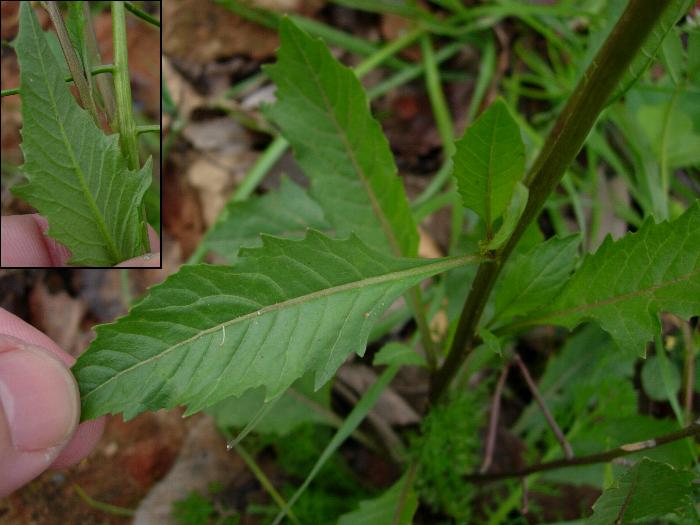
[[447, 448], [334, 491], [197, 509], [250, 342], [89, 185]]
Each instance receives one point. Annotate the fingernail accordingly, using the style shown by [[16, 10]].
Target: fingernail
[[39, 396]]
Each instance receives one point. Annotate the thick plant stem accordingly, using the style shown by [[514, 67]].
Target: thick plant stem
[[122, 92], [563, 143], [122, 88]]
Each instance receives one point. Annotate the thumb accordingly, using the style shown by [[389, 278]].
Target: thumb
[[39, 411]]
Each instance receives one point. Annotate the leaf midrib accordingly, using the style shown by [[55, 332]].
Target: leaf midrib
[[428, 269], [111, 246]]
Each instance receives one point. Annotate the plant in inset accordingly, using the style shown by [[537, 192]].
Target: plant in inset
[[246, 341], [88, 185]]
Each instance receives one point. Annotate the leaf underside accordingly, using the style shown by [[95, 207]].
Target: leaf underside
[[323, 111], [627, 283], [210, 332], [77, 176]]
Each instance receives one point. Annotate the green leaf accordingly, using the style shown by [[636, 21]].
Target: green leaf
[[616, 429], [298, 405], [510, 218], [492, 342], [626, 284], [673, 56], [532, 279], [77, 176], [693, 54], [382, 510], [55, 47], [286, 212], [653, 380], [398, 354], [488, 161], [210, 332], [574, 379], [324, 113], [646, 55], [670, 131], [648, 490]]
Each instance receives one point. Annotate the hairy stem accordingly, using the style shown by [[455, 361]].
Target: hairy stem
[[563, 143]]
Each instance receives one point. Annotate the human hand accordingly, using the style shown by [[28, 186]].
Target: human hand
[[39, 406], [25, 245]]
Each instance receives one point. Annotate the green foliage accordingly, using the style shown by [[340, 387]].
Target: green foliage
[[211, 332], [334, 490], [653, 379], [298, 405], [196, 509], [323, 112], [241, 223], [383, 510], [488, 161], [398, 354], [352, 421], [626, 284], [648, 490], [534, 277], [77, 176], [75, 24], [281, 320], [574, 382], [671, 129], [511, 216], [645, 57], [448, 447], [458, 281]]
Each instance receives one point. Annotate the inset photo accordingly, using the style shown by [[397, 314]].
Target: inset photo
[[80, 134]]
